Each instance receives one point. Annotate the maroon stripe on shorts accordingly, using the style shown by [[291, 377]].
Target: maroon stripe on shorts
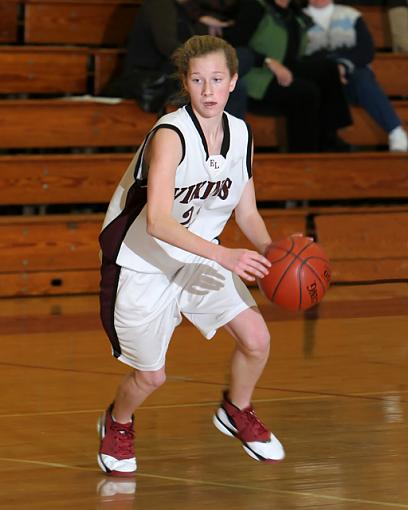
[[109, 283], [111, 238], [110, 241]]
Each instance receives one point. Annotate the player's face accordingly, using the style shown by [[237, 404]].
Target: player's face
[[209, 83]]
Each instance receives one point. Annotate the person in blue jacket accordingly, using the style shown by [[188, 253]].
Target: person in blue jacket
[[340, 34]]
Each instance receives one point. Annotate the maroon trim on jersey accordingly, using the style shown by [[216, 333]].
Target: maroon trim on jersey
[[111, 239], [107, 296], [148, 138], [226, 139], [249, 151]]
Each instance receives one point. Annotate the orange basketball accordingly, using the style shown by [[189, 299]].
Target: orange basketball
[[299, 276]]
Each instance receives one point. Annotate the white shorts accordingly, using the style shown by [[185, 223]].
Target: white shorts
[[148, 307]]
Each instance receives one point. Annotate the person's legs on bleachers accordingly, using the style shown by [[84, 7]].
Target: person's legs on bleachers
[[334, 112], [300, 103], [364, 90]]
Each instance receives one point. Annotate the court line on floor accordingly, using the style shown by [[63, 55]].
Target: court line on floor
[[210, 483], [191, 405], [320, 394]]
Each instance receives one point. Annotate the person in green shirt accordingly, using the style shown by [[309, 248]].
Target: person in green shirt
[[282, 81]]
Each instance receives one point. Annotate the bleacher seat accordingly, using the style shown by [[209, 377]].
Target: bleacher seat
[[61, 157]]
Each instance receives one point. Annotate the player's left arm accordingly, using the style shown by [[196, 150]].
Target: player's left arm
[[250, 221]]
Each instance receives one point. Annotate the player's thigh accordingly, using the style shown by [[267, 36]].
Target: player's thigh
[[212, 296], [146, 314]]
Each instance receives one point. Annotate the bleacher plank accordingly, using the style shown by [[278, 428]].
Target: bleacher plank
[[9, 21], [49, 283], [391, 70], [376, 17], [107, 65], [60, 179], [280, 224], [33, 69], [49, 255], [58, 254], [44, 255], [108, 22], [91, 178], [47, 242], [365, 131], [363, 247], [91, 22], [267, 130], [65, 70], [331, 176], [72, 123]]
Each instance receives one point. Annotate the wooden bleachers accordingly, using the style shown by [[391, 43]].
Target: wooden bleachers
[[366, 245], [43, 70], [9, 21], [72, 123], [391, 70], [89, 22], [91, 178], [67, 70], [376, 18], [53, 254], [107, 22], [364, 131], [86, 123], [74, 47]]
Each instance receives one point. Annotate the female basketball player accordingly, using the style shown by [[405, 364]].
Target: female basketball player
[[161, 257]]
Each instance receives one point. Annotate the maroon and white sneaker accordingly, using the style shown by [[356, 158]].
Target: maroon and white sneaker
[[243, 424], [116, 455]]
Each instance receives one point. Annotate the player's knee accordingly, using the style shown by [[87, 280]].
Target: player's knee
[[258, 342], [151, 380]]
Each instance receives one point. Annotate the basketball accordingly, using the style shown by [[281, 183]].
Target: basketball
[[299, 276]]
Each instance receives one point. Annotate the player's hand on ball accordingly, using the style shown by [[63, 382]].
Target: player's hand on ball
[[247, 264]]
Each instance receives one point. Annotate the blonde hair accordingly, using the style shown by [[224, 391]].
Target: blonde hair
[[200, 45]]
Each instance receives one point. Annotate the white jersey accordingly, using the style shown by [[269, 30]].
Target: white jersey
[[207, 189]]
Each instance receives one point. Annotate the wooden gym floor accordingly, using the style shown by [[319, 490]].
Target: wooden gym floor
[[334, 391]]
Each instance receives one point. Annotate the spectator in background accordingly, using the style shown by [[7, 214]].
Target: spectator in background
[[210, 16], [398, 16], [160, 27], [340, 35], [217, 17], [282, 82]]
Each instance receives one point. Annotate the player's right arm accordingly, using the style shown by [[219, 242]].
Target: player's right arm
[[163, 157]]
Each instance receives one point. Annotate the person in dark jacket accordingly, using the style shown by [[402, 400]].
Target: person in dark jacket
[[340, 34], [160, 27], [282, 82]]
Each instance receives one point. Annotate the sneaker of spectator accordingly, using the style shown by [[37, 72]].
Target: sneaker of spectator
[[398, 140]]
